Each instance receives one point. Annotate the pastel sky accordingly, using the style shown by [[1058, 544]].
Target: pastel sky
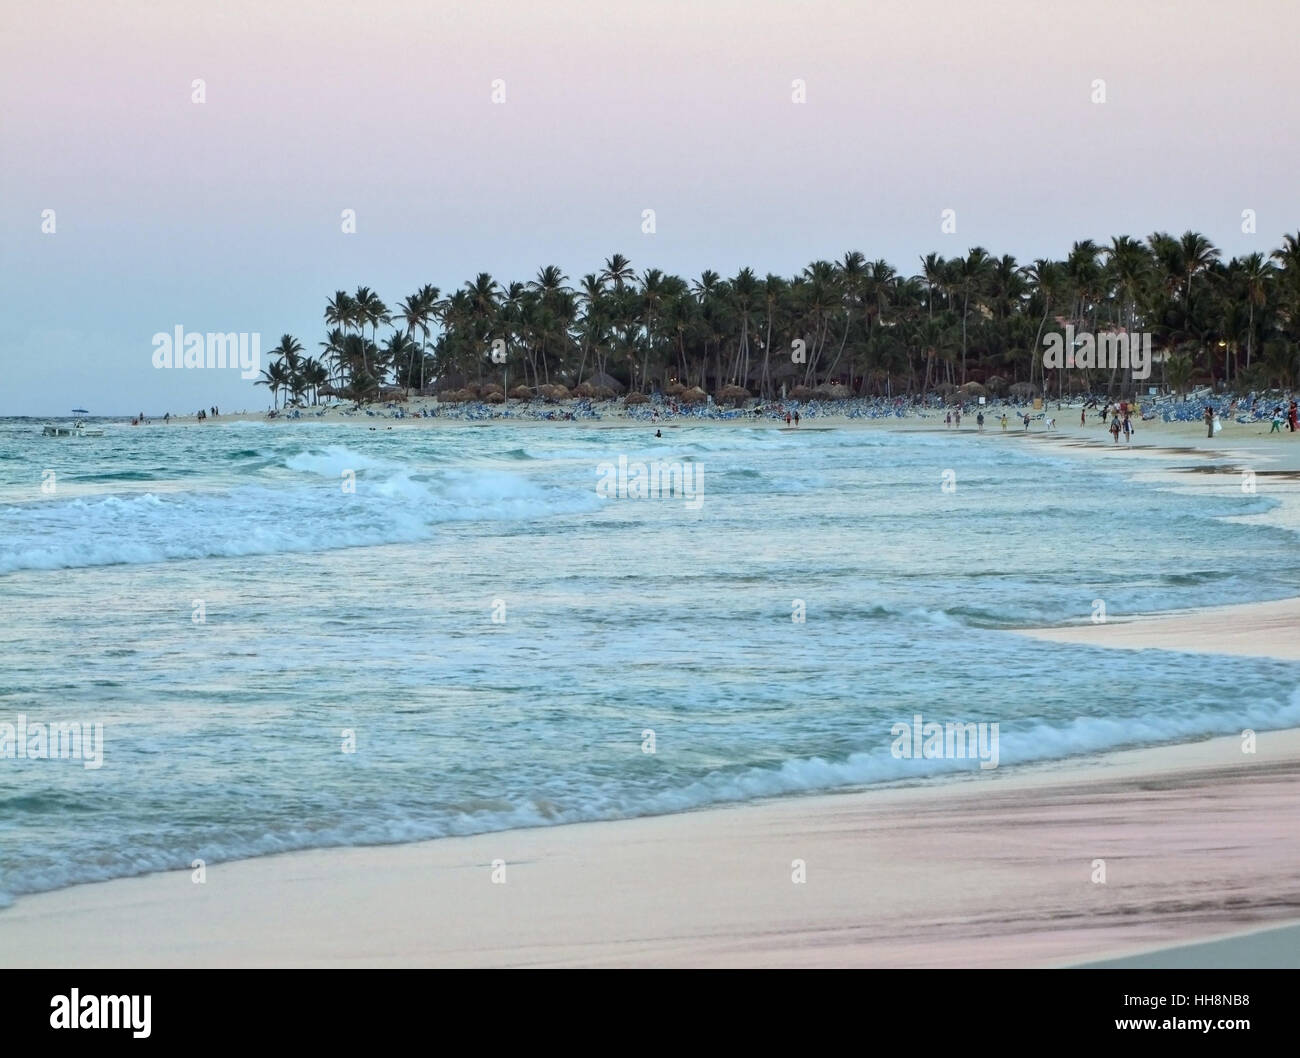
[[225, 215]]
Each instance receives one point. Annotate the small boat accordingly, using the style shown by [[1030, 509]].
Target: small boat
[[77, 429]]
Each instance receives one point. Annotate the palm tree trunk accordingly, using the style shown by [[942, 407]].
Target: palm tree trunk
[[765, 384], [965, 309]]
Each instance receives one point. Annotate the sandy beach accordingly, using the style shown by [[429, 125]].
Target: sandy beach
[[1263, 630], [1197, 840]]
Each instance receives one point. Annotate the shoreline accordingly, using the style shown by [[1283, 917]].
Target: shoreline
[[1253, 629], [1261, 629], [928, 875]]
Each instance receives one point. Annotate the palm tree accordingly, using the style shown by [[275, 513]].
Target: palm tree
[[1130, 266], [399, 353], [1179, 371], [652, 295], [933, 271], [745, 293], [368, 309], [482, 294], [1198, 254], [617, 272], [1046, 278], [340, 310], [973, 271], [314, 375], [333, 353], [775, 291], [853, 278], [593, 321], [1256, 273], [288, 353], [418, 312], [275, 378]]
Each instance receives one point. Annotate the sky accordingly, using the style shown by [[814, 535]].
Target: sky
[[227, 214]]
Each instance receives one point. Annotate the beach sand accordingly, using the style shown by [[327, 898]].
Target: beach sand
[[1189, 462], [1262, 630], [1198, 842]]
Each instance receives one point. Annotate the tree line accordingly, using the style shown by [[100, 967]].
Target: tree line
[[856, 323]]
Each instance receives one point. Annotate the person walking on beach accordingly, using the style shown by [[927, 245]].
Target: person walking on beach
[[1209, 421], [1128, 431], [787, 418], [1083, 416], [947, 421], [796, 418], [979, 422], [1004, 422], [1114, 429], [1277, 420], [1291, 416]]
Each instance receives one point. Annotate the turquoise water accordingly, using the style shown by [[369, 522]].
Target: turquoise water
[[373, 611]]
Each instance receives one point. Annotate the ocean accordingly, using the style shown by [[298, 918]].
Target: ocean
[[308, 635]]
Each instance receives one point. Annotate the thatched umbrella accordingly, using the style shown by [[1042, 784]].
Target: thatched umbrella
[[496, 397], [944, 388], [674, 389], [489, 388], [450, 396], [1023, 389], [694, 395], [521, 393], [600, 380], [733, 395], [831, 392], [636, 398], [801, 393], [974, 389], [996, 384]]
